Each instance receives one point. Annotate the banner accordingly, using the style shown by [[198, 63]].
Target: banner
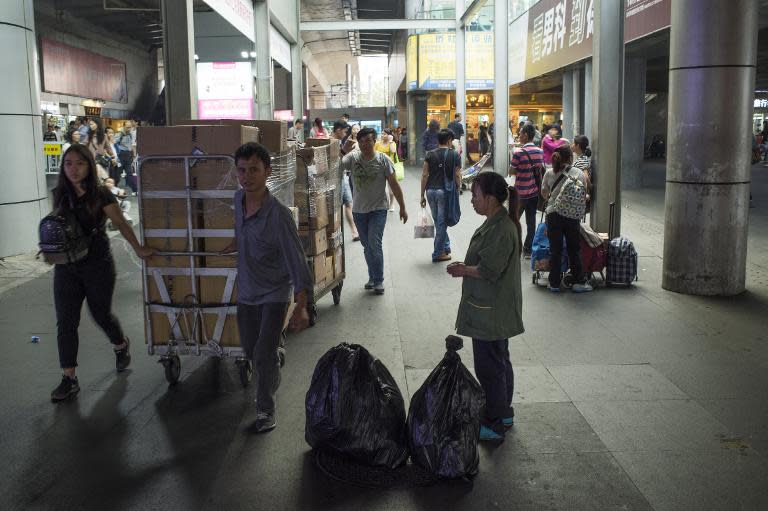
[[436, 63], [559, 33], [478, 52], [78, 72]]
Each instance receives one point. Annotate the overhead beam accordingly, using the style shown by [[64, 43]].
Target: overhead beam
[[327, 26], [471, 11]]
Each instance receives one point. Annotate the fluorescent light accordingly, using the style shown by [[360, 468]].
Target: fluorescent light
[[197, 57], [253, 54], [244, 54]]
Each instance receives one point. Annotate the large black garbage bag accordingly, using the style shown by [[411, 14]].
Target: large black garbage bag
[[444, 418], [355, 408]]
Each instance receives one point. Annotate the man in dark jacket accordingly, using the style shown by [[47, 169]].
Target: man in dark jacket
[[456, 127], [429, 139]]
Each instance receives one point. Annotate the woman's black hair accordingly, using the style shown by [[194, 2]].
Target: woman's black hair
[[491, 183], [99, 130], [583, 142], [561, 158], [64, 194], [318, 122]]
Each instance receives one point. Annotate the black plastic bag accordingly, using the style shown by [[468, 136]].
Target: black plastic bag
[[355, 408], [444, 418]]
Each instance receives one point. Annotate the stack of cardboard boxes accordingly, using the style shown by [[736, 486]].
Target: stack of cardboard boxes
[[195, 214], [318, 198]]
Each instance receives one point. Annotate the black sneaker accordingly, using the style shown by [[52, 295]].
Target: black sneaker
[[67, 389], [123, 357]]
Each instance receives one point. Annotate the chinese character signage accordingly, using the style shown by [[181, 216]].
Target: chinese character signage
[[559, 33], [412, 63], [224, 90]]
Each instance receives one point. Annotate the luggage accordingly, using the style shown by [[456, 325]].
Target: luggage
[[622, 262], [354, 408], [593, 259], [444, 418], [571, 202], [540, 250]]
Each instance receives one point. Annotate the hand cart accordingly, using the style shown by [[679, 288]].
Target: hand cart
[[469, 174], [184, 319]]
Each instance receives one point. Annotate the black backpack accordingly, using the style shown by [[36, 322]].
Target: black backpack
[[62, 238]]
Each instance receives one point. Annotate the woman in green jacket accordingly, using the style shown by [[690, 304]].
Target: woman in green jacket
[[491, 308]]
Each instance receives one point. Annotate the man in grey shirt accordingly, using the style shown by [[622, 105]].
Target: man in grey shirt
[[370, 172], [270, 265]]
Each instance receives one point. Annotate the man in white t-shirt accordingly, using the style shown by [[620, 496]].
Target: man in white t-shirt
[[370, 172]]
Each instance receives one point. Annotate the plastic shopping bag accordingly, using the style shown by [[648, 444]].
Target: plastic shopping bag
[[444, 418], [425, 227], [355, 408]]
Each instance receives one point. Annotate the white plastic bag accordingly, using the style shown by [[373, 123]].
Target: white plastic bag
[[425, 228]]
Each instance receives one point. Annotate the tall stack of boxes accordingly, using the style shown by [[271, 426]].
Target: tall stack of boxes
[[171, 217], [318, 198]]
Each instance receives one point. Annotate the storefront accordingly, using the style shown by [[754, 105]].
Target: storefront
[[760, 111]]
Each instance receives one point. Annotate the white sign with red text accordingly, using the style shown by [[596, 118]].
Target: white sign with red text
[[224, 90]]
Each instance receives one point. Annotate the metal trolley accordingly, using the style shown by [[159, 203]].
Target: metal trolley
[[187, 332], [335, 285]]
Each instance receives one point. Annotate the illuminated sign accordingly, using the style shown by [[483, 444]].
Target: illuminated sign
[[436, 62], [412, 62], [51, 149], [761, 103], [92, 111], [224, 90]]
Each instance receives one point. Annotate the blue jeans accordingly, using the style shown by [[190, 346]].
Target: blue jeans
[[437, 203], [370, 226]]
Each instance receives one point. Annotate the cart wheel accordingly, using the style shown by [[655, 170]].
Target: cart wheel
[[568, 281], [245, 368], [336, 292], [312, 312], [172, 365]]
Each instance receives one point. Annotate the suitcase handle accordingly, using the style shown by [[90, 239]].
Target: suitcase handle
[[612, 221]]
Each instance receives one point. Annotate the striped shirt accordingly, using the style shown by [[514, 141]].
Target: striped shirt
[[525, 181], [582, 163]]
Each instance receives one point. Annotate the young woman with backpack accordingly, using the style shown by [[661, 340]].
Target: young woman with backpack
[[565, 189], [80, 198]]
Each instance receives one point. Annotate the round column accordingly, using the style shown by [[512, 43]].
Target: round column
[[711, 89], [23, 194]]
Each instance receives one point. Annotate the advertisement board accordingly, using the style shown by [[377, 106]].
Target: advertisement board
[[78, 72], [436, 63], [224, 90], [559, 33]]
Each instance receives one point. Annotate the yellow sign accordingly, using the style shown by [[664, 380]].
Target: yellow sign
[[52, 149], [412, 62], [479, 60]]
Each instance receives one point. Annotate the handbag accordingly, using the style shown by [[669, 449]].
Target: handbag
[[452, 205], [426, 226], [571, 202], [399, 168]]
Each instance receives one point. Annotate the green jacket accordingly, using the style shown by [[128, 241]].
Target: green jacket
[[491, 308]]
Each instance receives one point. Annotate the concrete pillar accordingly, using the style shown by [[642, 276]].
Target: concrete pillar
[[23, 196], [501, 86], [633, 138], [608, 88], [297, 94], [578, 104], [417, 123], [179, 61], [567, 115], [264, 78], [708, 167], [461, 82], [588, 100]]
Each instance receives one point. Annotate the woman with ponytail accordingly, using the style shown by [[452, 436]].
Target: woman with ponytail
[[491, 307], [559, 225], [582, 161]]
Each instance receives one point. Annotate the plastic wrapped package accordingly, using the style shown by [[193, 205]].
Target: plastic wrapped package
[[311, 187], [444, 418], [281, 181], [354, 408]]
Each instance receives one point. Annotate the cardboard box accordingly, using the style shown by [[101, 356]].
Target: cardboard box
[[170, 245], [191, 140], [230, 335], [331, 149], [211, 288], [159, 325], [218, 213], [217, 245], [338, 262], [272, 134], [317, 264], [166, 214], [328, 268], [178, 287], [314, 242], [334, 239], [313, 212]]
